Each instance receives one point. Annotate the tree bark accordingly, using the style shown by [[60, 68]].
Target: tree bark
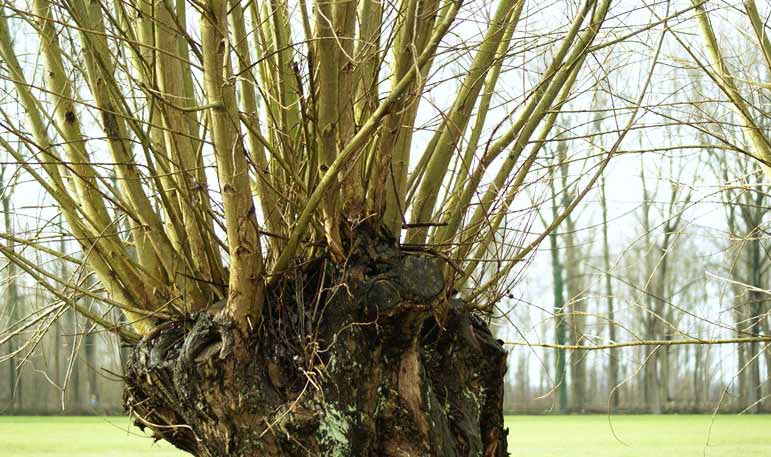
[[612, 355], [652, 280], [90, 343], [74, 385], [574, 289], [560, 324], [697, 384], [14, 379], [755, 308], [767, 354], [354, 361]]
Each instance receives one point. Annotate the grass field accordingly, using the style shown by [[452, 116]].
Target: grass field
[[640, 436], [529, 436]]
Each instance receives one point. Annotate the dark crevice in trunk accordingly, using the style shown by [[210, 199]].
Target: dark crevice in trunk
[[348, 361]]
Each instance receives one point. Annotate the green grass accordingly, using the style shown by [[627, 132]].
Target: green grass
[[529, 436], [639, 436], [77, 437]]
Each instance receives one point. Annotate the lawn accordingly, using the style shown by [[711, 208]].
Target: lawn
[[529, 436], [640, 436], [77, 437]]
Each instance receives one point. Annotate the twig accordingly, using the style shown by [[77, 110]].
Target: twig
[[574, 347]]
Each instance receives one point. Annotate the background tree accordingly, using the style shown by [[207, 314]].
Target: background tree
[[13, 308]]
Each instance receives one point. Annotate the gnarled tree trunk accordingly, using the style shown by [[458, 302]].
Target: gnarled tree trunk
[[370, 359]]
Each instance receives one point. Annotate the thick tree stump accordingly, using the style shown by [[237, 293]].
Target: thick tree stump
[[347, 361]]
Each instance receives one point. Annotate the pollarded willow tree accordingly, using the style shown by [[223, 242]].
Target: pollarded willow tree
[[296, 273]]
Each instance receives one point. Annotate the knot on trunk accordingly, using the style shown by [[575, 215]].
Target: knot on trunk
[[347, 362]]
